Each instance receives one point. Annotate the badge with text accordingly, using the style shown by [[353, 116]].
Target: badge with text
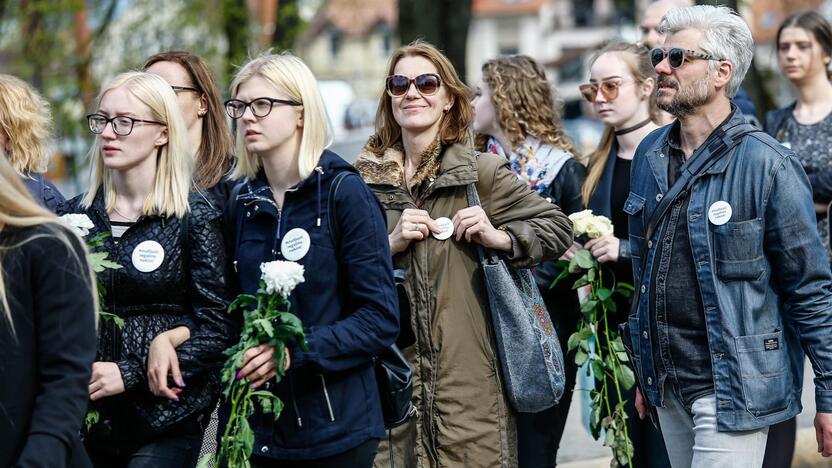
[[148, 256], [719, 213], [295, 244], [447, 227]]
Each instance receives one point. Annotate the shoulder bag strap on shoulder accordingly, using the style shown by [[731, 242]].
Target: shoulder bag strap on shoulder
[[334, 230]]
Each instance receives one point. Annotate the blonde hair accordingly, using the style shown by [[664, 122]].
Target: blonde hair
[[26, 120], [637, 59], [288, 74], [19, 210], [454, 127], [174, 163]]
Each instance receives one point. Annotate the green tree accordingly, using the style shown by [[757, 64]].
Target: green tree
[[444, 23]]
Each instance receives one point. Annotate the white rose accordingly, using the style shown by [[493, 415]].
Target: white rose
[[81, 223], [281, 277], [598, 226], [580, 220]]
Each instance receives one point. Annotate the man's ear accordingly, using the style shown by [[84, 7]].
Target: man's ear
[[724, 71]]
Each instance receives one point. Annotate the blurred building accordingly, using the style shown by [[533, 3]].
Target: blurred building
[[350, 41]]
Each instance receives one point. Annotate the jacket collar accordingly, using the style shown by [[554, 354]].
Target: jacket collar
[[659, 153], [457, 165]]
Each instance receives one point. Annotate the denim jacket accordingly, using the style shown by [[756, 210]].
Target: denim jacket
[[763, 269]]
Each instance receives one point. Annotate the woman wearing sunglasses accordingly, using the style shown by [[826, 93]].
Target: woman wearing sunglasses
[[208, 135], [804, 52], [419, 164], [516, 116], [621, 90], [347, 303], [172, 274], [25, 127]]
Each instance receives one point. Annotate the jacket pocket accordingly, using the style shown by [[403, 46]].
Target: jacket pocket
[[764, 367], [738, 249], [634, 207]]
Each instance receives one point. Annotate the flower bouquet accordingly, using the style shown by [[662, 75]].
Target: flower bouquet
[[597, 344], [266, 320]]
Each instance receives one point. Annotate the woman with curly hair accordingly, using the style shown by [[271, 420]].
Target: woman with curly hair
[[516, 116], [25, 132]]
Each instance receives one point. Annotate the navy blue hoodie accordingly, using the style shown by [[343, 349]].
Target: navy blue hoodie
[[348, 305]]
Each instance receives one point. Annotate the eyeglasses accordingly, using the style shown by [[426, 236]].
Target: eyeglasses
[[609, 89], [260, 107], [427, 84], [181, 89], [122, 125], [676, 56]]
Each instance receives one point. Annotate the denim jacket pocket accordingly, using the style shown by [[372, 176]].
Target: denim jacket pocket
[[738, 248], [633, 206], [764, 371]]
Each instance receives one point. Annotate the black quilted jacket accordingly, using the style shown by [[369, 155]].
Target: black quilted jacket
[[153, 302]]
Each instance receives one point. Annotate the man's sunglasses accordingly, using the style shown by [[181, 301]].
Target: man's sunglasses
[[676, 57], [609, 89], [427, 84]]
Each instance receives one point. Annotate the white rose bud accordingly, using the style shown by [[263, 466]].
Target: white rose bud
[[281, 277], [580, 220], [81, 223], [599, 226]]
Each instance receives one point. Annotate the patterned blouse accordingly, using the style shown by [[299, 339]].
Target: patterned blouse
[[812, 144], [535, 163]]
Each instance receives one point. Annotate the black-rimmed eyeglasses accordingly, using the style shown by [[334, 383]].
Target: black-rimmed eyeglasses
[[122, 125], [260, 107], [676, 57]]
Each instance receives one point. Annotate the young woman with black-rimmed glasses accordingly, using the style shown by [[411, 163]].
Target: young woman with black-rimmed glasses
[[172, 276]]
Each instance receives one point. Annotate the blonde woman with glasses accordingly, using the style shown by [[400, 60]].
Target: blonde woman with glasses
[[172, 278], [47, 332], [25, 133]]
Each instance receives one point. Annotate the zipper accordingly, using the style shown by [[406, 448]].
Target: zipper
[[326, 396]]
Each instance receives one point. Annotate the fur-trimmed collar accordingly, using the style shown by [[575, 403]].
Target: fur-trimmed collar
[[388, 168]]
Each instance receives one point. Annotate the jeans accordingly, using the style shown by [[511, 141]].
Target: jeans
[[358, 457], [175, 451], [692, 439]]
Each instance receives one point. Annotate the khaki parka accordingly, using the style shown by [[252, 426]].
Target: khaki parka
[[462, 419]]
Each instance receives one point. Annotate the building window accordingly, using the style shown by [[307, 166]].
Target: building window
[[334, 43]]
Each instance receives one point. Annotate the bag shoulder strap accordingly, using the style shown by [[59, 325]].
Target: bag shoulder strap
[[334, 230], [724, 142]]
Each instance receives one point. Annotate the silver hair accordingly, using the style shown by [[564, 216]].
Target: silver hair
[[725, 35]]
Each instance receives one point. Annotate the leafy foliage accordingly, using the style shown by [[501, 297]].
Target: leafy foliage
[[596, 345]]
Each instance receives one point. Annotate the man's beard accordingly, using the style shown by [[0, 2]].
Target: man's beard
[[687, 98]]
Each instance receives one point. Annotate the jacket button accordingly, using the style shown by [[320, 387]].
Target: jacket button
[[643, 289], [649, 380], [645, 335], [659, 197], [649, 244], [256, 207], [390, 197], [248, 214], [264, 449]]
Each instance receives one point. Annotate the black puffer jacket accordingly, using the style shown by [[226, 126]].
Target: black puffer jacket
[[153, 302]]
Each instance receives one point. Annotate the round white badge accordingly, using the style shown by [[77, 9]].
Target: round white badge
[[148, 256], [295, 244], [719, 213], [447, 227]]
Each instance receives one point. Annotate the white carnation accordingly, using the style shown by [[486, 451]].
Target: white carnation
[[580, 220], [81, 223], [281, 277]]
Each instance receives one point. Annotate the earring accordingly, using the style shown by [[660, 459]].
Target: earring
[[201, 113]]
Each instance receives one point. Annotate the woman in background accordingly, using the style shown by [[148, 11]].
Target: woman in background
[[516, 116]]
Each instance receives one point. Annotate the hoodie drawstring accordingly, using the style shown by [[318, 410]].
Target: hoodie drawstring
[[319, 171]]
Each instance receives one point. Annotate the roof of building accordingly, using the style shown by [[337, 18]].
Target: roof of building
[[353, 18], [506, 7]]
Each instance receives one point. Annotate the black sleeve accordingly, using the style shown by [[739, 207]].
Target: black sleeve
[[565, 190], [66, 342], [212, 328], [821, 182]]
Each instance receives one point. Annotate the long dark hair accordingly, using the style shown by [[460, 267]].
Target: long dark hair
[[213, 157]]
